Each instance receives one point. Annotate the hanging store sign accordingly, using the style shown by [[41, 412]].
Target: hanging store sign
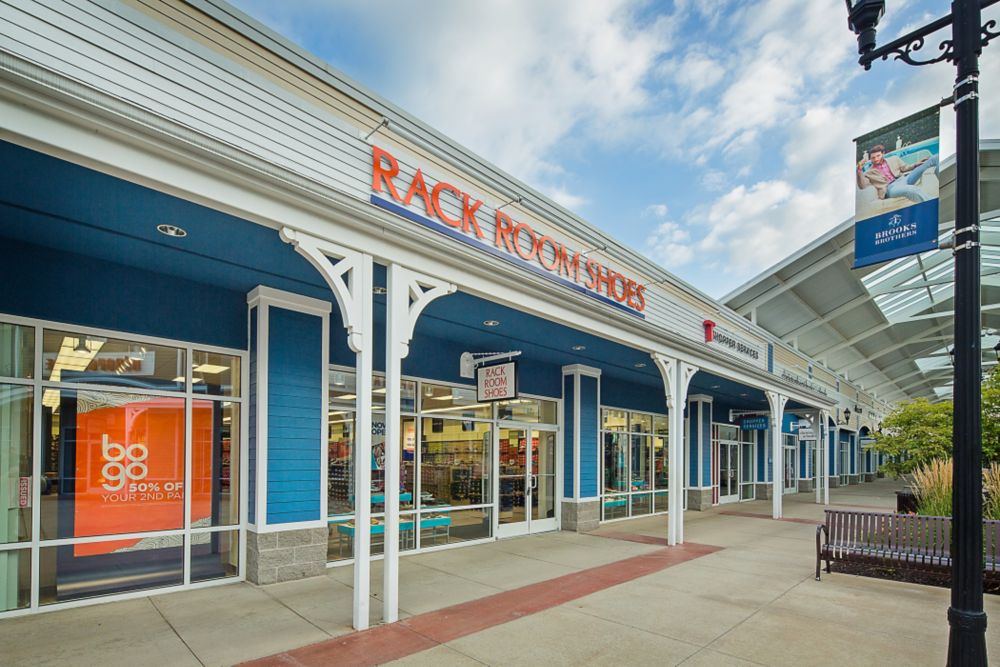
[[512, 241], [761, 423], [496, 383], [806, 433], [896, 195]]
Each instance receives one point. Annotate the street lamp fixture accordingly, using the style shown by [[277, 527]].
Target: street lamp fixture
[[863, 17], [967, 638]]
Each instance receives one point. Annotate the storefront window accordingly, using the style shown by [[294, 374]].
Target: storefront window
[[528, 410], [77, 357], [17, 351], [72, 572], [16, 488], [215, 555], [340, 445], [634, 463], [15, 579], [215, 374], [116, 463], [453, 402], [615, 458], [456, 462], [119, 462], [343, 388], [215, 465]]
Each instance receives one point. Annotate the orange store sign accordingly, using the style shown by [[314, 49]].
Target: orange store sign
[[515, 241]]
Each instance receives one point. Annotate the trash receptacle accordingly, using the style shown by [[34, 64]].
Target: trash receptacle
[[906, 502]]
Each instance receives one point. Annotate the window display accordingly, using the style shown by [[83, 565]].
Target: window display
[[633, 463], [132, 433]]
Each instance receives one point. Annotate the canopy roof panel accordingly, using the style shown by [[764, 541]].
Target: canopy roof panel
[[887, 328]]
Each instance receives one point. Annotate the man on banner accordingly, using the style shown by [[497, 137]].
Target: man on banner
[[891, 177]]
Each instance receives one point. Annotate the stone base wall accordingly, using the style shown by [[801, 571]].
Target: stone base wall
[[869, 477], [834, 482], [805, 485], [286, 555], [764, 491], [581, 517], [699, 500], [854, 479]]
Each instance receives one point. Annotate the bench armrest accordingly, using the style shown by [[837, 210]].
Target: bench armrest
[[820, 529]]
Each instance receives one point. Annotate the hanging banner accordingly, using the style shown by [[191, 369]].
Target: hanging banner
[[896, 193]]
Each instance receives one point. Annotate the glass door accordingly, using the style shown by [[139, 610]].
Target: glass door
[[527, 479], [791, 478], [729, 481]]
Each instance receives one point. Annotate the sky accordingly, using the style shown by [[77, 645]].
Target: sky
[[713, 136]]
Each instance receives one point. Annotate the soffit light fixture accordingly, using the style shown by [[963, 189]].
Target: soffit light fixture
[[491, 323], [640, 364], [581, 348], [171, 230]]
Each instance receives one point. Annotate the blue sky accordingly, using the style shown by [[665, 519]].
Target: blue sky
[[714, 136]]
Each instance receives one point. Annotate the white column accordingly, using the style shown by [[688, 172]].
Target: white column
[[819, 426], [777, 403], [407, 294], [361, 283], [676, 376], [350, 279], [826, 457]]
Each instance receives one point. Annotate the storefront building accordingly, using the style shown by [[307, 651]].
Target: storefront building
[[247, 314]]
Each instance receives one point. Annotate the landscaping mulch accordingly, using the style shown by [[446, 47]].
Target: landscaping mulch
[[928, 578]]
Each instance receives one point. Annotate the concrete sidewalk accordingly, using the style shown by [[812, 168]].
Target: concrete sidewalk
[[753, 602]]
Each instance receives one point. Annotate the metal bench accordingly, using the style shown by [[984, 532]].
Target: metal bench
[[902, 540]]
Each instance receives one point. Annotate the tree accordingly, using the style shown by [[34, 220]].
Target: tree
[[991, 417], [919, 431], [914, 434]]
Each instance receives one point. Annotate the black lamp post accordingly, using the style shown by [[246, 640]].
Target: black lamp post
[[967, 640]]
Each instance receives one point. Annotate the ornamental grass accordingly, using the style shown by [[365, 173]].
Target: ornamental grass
[[932, 486], [991, 487]]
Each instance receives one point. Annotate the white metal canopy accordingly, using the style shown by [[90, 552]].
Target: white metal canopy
[[887, 328]]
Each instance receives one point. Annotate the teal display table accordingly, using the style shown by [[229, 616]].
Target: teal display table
[[438, 526]]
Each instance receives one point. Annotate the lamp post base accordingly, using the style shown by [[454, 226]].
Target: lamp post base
[[967, 645]]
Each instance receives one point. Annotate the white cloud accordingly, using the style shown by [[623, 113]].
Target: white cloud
[[670, 245], [655, 211]]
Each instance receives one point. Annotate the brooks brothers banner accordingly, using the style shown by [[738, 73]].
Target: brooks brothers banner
[[896, 202]]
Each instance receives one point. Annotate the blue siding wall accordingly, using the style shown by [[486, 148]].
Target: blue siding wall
[[294, 401], [691, 434], [633, 395], [854, 456], [252, 435], [762, 469], [832, 453], [77, 289], [568, 436], [588, 437]]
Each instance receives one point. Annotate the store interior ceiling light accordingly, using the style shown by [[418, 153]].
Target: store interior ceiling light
[[210, 368], [491, 323], [171, 230]]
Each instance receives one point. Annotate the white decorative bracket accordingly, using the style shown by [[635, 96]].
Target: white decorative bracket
[[349, 277], [669, 367], [420, 291]]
